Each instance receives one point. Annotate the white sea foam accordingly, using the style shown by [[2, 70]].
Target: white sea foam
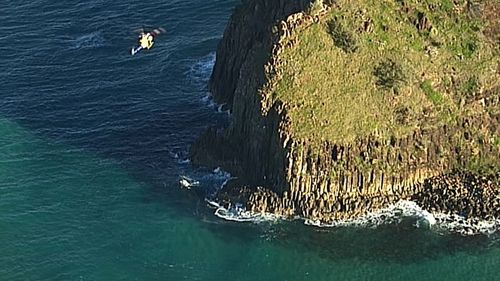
[[239, 214], [235, 212], [220, 109], [207, 184], [394, 214], [403, 210], [188, 182], [223, 175], [174, 155], [459, 224], [180, 156]]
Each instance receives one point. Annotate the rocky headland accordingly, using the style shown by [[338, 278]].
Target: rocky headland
[[340, 108]]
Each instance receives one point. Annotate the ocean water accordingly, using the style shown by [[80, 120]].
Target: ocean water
[[93, 141]]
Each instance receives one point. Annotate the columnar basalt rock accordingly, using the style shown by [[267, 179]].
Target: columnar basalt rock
[[461, 193], [328, 181]]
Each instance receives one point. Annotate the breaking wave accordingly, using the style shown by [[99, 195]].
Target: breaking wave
[[458, 224], [398, 213], [188, 182], [239, 214], [410, 211], [394, 214], [205, 184]]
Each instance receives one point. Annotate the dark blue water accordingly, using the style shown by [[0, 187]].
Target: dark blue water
[[91, 148]]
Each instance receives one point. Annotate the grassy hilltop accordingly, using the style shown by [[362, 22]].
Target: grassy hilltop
[[390, 67], [348, 106]]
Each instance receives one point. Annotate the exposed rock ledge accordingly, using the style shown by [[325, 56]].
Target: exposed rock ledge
[[287, 176]]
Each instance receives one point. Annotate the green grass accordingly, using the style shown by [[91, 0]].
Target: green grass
[[435, 97], [333, 77], [483, 164], [447, 6], [470, 86]]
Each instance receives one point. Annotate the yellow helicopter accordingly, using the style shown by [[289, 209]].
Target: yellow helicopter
[[146, 40]]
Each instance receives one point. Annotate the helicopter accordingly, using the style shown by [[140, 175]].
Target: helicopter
[[146, 39]]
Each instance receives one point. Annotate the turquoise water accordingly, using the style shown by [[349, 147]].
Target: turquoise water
[[91, 149]]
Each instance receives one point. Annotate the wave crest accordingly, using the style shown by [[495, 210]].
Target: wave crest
[[401, 212], [408, 210], [239, 214]]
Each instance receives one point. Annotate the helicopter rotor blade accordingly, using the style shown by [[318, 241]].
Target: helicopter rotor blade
[[158, 30]]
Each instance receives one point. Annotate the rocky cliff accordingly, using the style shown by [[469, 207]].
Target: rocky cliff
[[250, 147], [449, 167]]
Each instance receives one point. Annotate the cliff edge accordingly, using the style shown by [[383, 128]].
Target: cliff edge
[[343, 107]]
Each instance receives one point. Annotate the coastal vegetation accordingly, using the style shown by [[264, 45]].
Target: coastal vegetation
[[389, 67], [343, 107]]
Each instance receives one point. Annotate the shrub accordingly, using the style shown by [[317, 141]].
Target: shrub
[[341, 38], [389, 74]]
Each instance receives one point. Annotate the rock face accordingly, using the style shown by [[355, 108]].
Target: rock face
[[246, 46], [250, 147], [326, 181]]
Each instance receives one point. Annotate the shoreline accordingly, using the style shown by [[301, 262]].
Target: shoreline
[[407, 212], [329, 180]]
